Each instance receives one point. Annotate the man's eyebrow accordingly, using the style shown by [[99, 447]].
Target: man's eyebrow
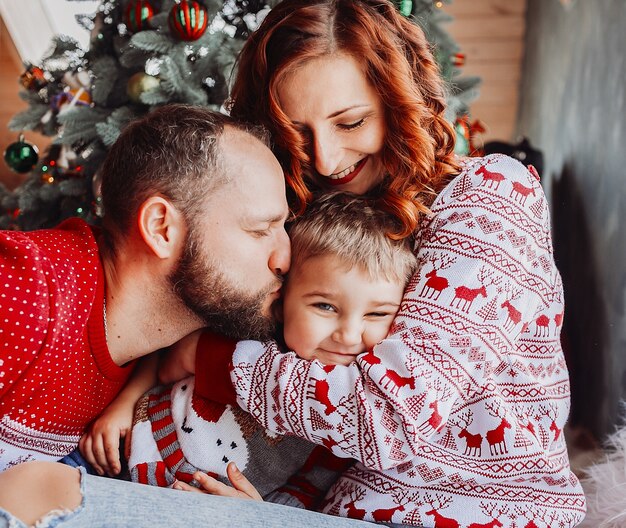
[[279, 217]]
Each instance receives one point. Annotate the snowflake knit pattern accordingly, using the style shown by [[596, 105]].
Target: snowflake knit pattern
[[456, 418], [56, 374]]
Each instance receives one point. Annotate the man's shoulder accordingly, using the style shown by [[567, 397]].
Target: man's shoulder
[[73, 235], [62, 261], [71, 240]]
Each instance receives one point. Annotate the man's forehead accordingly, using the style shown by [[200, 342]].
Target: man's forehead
[[241, 151], [254, 177]]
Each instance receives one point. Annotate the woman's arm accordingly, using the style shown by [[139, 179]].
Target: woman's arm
[[460, 346]]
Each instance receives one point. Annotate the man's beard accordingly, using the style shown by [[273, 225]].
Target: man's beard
[[223, 308]]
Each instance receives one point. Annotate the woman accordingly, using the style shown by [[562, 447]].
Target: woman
[[457, 417]]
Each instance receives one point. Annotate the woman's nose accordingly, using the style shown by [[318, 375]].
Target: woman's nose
[[327, 153]]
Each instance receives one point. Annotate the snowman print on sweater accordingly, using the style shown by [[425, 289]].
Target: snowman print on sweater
[[207, 432], [177, 432]]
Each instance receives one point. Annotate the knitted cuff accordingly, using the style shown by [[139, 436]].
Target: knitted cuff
[[213, 379]]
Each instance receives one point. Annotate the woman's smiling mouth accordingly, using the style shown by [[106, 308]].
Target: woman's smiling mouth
[[347, 175]]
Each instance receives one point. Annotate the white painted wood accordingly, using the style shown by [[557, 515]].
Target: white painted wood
[[33, 23]]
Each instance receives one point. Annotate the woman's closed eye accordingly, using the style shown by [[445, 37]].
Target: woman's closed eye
[[352, 126]]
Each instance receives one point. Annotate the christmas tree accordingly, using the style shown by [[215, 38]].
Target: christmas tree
[[145, 53]]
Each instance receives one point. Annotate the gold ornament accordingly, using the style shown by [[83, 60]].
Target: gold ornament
[[140, 83]]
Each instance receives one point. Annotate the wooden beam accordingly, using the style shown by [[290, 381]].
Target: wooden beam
[[494, 72], [496, 27], [498, 93], [460, 8], [486, 50]]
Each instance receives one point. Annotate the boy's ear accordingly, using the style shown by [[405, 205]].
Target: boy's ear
[[161, 226]]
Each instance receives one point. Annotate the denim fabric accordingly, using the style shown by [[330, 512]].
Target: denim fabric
[[109, 503], [75, 459]]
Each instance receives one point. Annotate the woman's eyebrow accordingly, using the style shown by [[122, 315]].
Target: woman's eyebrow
[[336, 113], [344, 110]]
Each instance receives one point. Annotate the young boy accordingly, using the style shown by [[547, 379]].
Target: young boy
[[344, 288]]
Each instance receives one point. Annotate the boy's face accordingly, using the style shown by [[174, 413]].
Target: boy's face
[[332, 314]]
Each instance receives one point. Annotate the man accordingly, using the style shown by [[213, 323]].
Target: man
[[193, 236]]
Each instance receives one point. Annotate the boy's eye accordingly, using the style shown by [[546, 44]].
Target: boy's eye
[[353, 125], [324, 307], [261, 233], [378, 314]]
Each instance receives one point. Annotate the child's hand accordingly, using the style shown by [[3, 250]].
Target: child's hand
[[100, 445], [242, 489]]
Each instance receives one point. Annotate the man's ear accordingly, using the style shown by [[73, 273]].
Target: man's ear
[[161, 226]]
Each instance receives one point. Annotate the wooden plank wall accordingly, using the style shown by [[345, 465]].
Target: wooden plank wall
[[10, 104], [491, 35]]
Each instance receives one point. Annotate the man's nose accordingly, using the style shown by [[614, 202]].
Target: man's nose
[[327, 154], [281, 255]]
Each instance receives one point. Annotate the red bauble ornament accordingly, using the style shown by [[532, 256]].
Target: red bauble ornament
[[188, 20], [458, 59], [138, 15]]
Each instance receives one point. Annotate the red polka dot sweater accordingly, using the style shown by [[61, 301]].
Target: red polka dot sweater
[[56, 374]]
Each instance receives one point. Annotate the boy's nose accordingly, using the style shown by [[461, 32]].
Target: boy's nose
[[349, 334]]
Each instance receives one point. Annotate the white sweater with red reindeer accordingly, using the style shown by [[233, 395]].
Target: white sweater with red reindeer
[[456, 417]]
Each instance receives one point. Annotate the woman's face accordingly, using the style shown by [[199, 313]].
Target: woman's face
[[338, 112]]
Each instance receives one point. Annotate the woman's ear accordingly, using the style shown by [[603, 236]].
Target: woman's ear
[[161, 226]]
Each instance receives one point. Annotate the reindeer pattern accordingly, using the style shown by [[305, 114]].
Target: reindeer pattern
[[464, 405]]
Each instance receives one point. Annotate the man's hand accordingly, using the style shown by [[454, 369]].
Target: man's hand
[[241, 489], [100, 445]]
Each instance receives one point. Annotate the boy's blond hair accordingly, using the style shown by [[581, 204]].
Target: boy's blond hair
[[350, 227]]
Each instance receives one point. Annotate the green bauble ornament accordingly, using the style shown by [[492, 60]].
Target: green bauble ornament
[[462, 144], [21, 156], [405, 7]]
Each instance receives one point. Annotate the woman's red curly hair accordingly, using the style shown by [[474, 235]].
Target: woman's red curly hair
[[418, 154]]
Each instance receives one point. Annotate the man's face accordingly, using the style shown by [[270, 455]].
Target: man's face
[[237, 250]]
